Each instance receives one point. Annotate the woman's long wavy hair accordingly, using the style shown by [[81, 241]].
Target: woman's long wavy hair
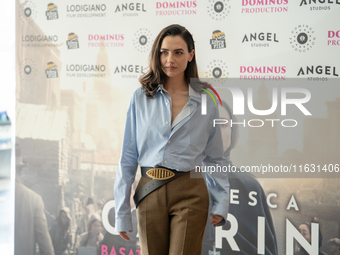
[[155, 74]]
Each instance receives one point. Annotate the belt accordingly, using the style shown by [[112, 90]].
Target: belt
[[159, 175]]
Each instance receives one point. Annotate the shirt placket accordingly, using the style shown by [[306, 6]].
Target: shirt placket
[[167, 100]]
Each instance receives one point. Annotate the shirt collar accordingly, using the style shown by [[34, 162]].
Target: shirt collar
[[192, 93]]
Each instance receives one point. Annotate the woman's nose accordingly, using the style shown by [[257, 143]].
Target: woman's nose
[[170, 58]]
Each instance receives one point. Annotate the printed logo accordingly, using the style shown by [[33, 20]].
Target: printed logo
[[106, 40], [333, 38], [86, 11], [39, 40], [260, 39], [130, 9], [28, 70], [314, 72], [264, 6], [52, 12], [72, 41], [302, 38], [51, 71], [27, 11], [319, 5], [218, 9], [176, 8], [218, 40], [76, 71], [217, 69], [142, 40], [272, 73], [129, 71]]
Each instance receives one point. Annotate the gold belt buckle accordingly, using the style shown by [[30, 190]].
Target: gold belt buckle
[[160, 173]]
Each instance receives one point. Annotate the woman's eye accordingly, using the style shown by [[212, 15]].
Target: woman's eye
[[179, 53]]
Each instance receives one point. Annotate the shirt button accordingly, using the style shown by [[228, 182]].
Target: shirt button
[[166, 103], [167, 123], [169, 141], [165, 161]]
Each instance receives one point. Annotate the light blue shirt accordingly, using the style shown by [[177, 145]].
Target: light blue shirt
[[151, 140]]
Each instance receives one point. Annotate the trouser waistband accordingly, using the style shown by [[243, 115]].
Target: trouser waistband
[[160, 173], [160, 176]]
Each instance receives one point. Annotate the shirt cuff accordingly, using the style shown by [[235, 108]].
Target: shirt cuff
[[123, 223], [221, 209]]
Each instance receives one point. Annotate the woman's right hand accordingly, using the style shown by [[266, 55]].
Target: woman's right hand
[[124, 235]]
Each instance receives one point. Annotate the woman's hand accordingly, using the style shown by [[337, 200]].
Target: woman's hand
[[216, 219], [124, 235]]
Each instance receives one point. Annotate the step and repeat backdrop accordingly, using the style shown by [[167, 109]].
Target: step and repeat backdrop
[[77, 64]]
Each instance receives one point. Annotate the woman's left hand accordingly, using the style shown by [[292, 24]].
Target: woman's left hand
[[216, 219]]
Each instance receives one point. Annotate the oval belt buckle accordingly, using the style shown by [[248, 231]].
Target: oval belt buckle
[[160, 173]]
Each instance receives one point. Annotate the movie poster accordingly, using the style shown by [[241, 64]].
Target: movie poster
[[275, 66]]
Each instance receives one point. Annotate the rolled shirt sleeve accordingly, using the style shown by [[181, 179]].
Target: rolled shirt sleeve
[[217, 181], [126, 171]]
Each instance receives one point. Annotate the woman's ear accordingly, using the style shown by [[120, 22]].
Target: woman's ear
[[191, 55]]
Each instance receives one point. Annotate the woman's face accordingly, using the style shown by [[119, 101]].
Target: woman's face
[[304, 231], [225, 128], [95, 227], [175, 56], [63, 217]]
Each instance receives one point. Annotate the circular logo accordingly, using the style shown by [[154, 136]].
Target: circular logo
[[142, 40], [218, 9], [217, 72], [217, 69], [28, 12], [27, 69], [302, 38]]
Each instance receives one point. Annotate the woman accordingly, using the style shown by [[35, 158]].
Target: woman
[[167, 135], [94, 236], [61, 231], [245, 214]]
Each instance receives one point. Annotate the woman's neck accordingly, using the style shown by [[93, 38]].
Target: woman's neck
[[174, 84]]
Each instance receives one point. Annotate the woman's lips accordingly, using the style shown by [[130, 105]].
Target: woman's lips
[[171, 68]]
